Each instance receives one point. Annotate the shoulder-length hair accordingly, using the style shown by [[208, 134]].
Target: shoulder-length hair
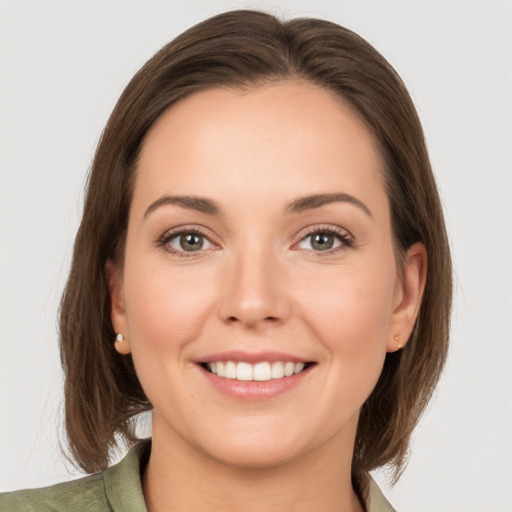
[[243, 49]]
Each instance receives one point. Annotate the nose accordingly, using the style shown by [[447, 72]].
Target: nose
[[254, 291]]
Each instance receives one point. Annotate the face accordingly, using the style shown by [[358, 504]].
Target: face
[[259, 292]]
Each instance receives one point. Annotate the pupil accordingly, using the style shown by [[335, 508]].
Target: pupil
[[191, 242], [322, 241]]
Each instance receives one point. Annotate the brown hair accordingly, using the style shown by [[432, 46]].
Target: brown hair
[[243, 49]]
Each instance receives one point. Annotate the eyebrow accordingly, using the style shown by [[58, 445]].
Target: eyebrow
[[317, 200], [301, 204], [199, 204]]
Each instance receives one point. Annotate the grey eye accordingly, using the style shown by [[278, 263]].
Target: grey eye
[[189, 242], [321, 241]]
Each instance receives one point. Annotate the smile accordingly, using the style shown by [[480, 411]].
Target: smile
[[262, 371]]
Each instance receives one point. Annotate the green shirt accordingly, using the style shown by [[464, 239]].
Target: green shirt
[[118, 489]]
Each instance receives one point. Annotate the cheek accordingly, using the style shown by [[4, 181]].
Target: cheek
[[352, 322], [351, 311], [165, 307]]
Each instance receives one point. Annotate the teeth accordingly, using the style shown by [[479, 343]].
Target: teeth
[[243, 371], [288, 369], [277, 371], [298, 367], [259, 372], [262, 371], [230, 370]]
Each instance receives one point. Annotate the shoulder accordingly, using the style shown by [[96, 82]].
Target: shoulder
[[84, 494], [118, 489]]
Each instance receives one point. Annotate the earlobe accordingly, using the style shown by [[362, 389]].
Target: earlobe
[[409, 295], [122, 345], [117, 308]]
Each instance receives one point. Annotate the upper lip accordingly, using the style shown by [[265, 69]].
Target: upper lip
[[251, 357]]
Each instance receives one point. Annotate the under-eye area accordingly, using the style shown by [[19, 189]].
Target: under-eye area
[[263, 371]]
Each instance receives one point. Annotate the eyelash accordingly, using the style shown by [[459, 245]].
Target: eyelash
[[342, 235]]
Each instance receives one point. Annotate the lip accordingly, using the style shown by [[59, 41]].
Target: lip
[[253, 390]]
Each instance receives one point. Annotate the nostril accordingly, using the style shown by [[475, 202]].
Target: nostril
[[269, 319]]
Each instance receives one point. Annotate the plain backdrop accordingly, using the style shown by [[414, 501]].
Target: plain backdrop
[[63, 65]]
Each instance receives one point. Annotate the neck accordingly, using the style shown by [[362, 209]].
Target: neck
[[179, 477]]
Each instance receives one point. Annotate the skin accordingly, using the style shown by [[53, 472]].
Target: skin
[[258, 284]]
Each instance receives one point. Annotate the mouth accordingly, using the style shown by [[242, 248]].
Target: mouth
[[260, 372]]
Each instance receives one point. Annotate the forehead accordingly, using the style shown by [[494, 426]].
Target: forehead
[[288, 135]]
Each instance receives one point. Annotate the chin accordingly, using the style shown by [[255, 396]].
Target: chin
[[253, 456], [255, 444]]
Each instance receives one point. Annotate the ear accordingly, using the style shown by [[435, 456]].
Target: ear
[[408, 294], [117, 308]]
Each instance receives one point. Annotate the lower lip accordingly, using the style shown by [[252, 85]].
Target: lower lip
[[254, 390]]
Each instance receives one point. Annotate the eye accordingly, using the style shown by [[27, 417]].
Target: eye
[[188, 241], [325, 240]]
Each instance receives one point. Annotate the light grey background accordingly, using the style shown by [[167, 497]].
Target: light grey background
[[63, 65]]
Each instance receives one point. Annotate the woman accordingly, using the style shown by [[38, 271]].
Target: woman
[[262, 263]]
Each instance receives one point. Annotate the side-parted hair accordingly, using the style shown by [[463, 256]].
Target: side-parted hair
[[243, 49]]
